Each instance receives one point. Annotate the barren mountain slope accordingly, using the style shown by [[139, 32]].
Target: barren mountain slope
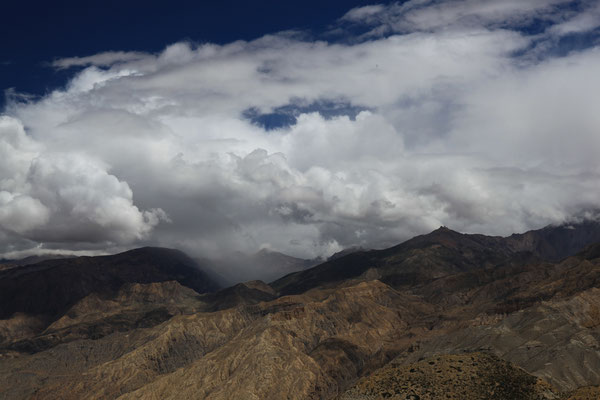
[[558, 340], [296, 347]]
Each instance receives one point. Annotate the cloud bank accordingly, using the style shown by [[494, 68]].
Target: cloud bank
[[459, 113]]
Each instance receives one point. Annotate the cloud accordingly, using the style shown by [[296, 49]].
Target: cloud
[[584, 21], [428, 15], [105, 59], [364, 13], [48, 196], [439, 117], [21, 213]]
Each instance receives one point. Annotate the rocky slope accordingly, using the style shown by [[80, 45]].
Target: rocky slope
[[558, 340], [297, 347]]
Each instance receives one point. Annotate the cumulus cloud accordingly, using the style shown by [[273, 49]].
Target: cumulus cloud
[[21, 213], [50, 196], [459, 127]]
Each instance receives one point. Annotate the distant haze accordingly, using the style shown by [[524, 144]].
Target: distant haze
[[478, 115]]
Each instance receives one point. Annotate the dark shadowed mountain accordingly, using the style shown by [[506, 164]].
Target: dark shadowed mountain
[[416, 261], [53, 285], [36, 259], [33, 297], [345, 252], [444, 252], [556, 242], [7, 264]]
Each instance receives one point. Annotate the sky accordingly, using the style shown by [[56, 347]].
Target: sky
[[294, 126]]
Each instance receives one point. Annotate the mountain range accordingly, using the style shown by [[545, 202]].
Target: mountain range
[[444, 315]]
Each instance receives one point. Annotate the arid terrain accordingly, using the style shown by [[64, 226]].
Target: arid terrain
[[442, 316]]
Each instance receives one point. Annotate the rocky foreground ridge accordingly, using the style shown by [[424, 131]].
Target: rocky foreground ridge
[[443, 314]]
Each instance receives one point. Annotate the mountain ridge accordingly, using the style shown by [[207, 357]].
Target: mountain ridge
[[35, 296], [318, 333], [457, 252]]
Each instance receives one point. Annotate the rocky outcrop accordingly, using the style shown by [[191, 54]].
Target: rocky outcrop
[[470, 376]]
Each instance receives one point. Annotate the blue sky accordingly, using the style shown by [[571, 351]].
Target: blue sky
[[295, 127], [35, 35]]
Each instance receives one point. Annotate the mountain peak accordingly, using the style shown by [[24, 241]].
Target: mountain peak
[[264, 251]]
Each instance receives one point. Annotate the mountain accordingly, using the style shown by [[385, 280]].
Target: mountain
[[52, 285], [33, 298], [246, 293], [264, 265], [555, 316], [450, 314], [444, 252], [306, 346], [35, 259], [7, 264], [345, 252], [556, 242], [273, 264], [421, 259]]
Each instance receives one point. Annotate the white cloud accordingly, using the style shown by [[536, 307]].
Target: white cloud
[[50, 196], [458, 132], [587, 20], [20, 213], [428, 15], [363, 13], [105, 59]]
